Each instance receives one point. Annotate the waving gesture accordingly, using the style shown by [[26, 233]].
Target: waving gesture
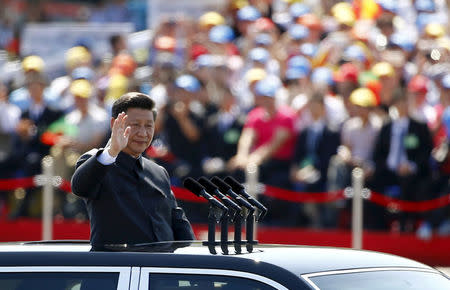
[[119, 135]]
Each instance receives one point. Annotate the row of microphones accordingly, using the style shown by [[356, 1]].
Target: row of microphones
[[229, 198]]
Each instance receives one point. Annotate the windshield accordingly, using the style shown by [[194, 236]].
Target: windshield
[[382, 280]]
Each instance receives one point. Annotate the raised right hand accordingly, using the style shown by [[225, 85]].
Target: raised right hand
[[119, 135]]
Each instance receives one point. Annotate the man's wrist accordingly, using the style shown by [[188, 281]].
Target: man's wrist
[[105, 158], [113, 153]]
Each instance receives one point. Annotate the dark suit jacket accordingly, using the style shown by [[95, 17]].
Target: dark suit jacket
[[419, 155], [129, 201], [47, 117], [30, 152], [326, 147]]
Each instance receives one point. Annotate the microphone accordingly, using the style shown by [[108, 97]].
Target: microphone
[[228, 190], [197, 189], [240, 189], [214, 190]]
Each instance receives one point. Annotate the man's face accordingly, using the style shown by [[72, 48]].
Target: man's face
[[142, 130], [265, 102], [317, 110], [82, 103], [361, 111], [36, 89]]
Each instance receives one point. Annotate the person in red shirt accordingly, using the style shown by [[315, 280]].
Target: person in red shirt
[[268, 137], [268, 141]]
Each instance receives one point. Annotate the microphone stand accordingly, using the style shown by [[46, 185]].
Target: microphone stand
[[250, 217], [249, 230], [224, 233], [214, 216]]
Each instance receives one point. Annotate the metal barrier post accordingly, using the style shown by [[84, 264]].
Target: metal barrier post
[[251, 178], [357, 211], [47, 200]]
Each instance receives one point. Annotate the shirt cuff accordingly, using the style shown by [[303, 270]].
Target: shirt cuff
[[106, 159]]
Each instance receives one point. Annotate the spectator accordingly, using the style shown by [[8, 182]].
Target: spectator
[[184, 128], [401, 156], [314, 147], [223, 130], [358, 137], [322, 81], [298, 85], [267, 141], [89, 125], [76, 57], [420, 109], [268, 137], [33, 123], [385, 73], [32, 66], [346, 78]]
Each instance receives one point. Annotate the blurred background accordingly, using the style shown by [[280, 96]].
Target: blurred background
[[290, 95]]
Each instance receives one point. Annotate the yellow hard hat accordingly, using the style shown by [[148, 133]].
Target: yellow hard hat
[[238, 4], [383, 69], [255, 74], [211, 19], [33, 62], [363, 97], [118, 85], [77, 55], [343, 13], [435, 30], [81, 88]]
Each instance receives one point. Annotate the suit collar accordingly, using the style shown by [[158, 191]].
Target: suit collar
[[129, 162]]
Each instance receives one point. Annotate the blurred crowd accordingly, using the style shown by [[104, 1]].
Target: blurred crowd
[[305, 91]]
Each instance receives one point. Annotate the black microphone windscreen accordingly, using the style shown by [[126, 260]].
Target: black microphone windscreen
[[221, 184], [233, 183], [210, 187], [193, 185]]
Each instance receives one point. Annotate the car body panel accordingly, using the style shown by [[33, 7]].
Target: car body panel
[[281, 266]]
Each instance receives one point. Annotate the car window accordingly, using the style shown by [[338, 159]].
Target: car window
[[203, 282], [383, 280], [58, 281]]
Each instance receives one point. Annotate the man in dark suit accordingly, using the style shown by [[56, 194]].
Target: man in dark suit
[[128, 197], [402, 156], [29, 146], [315, 146]]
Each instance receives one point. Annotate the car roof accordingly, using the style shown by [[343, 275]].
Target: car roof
[[296, 259]]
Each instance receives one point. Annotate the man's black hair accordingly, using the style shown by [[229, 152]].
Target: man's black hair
[[133, 100], [114, 39]]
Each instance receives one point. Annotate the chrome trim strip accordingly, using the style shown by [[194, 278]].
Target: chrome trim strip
[[135, 277], [307, 277], [124, 272], [145, 272]]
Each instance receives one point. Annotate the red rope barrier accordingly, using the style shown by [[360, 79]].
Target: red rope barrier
[[274, 192], [409, 206], [11, 184], [65, 186], [307, 197]]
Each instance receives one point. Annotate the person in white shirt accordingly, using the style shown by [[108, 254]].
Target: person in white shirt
[[358, 137]]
